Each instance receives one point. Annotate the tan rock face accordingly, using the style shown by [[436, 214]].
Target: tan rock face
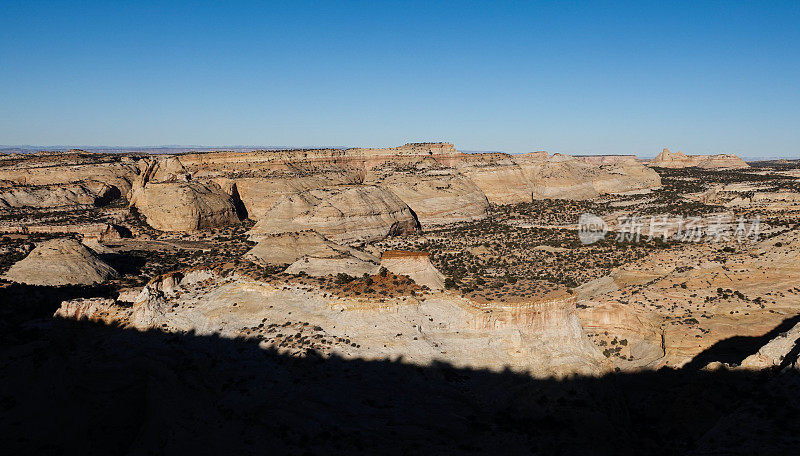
[[544, 337], [667, 159], [342, 264], [776, 352], [184, 206], [84, 194], [416, 265], [164, 169], [55, 172], [94, 309], [259, 194], [498, 177], [60, 262], [344, 215], [439, 199], [286, 248], [565, 177]]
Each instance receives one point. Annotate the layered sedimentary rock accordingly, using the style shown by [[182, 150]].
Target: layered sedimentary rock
[[332, 265], [70, 170], [542, 337], [782, 351], [687, 301], [259, 194], [498, 176], [667, 159], [184, 206], [566, 177], [439, 198], [95, 309], [60, 262], [90, 193], [164, 169], [416, 265], [438, 183], [345, 215], [287, 248]]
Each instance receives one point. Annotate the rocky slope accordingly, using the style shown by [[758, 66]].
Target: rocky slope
[[60, 262], [438, 198], [543, 337]]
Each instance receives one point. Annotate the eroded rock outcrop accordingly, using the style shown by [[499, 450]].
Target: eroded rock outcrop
[[332, 266], [782, 351], [91, 193], [184, 206], [543, 338], [60, 262], [565, 177], [259, 194], [439, 198], [667, 159], [498, 177], [416, 265], [345, 215], [287, 248]]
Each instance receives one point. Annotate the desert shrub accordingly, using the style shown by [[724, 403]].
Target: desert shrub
[[342, 278]]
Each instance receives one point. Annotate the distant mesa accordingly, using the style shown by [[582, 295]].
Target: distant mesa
[[349, 196], [667, 159]]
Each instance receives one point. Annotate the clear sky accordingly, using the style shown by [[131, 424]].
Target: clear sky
[[573, 77]]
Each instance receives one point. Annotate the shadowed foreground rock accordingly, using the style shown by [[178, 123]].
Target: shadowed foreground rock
[[79, 387]]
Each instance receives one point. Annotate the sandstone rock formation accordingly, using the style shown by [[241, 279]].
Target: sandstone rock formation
[[780, 351], [286, 248], [184, 206], [565, 177], [164, 169], [544, 338], [95, 309], [416, 265], [60, 262], [259, 194], [332, 265], [345, 215], [90, 193], [498, 177], [667, 159], [439, 198], [53, 172]]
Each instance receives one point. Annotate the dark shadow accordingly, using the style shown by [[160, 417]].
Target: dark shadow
[[241, 210], [735, 349], [106, 198], [124, 263], [78, 387], [20, 304], [791, 358]]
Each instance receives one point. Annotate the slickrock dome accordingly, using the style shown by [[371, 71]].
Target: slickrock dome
[[667, 159], [439, 198], [416, 265], [184, 206], [343, 264], [60, 262], [348, 214], [286, 248]]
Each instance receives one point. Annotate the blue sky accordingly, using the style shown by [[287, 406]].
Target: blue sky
[[571, 77]]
